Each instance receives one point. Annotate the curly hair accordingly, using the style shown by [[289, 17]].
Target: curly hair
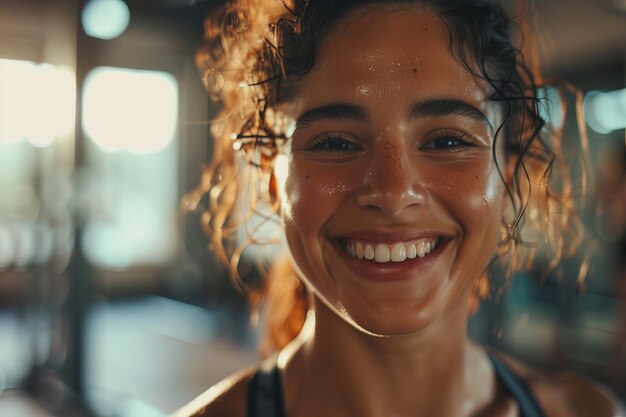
[[256, 51]]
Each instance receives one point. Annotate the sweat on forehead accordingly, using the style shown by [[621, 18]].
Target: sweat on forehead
[[268, 53], [361, 30], [405, 57]]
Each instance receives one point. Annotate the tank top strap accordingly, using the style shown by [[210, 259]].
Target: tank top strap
[[265, 392], [529, 407]]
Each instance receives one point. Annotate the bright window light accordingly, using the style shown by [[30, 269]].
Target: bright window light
[[105, 19], [36, 102], [133, 110], [132, 194], [605, 111]]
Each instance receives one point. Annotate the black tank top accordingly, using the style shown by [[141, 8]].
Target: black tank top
[[265, 392]]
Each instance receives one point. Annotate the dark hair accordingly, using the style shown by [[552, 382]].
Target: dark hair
[[258, 49]]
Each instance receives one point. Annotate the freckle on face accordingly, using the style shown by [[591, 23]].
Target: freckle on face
[[326, 208]]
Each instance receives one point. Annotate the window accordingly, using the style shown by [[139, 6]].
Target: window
[[130, 118]]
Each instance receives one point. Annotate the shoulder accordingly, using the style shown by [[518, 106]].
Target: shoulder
[[567, 394], [571, 394], [226, 398], [585, 397]]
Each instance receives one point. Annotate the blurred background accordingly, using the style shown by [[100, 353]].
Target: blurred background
[[110, 302]]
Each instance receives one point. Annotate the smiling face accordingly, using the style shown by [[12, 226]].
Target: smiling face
[[393, 201]]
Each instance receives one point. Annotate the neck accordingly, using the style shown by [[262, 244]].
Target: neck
[[426, 373]]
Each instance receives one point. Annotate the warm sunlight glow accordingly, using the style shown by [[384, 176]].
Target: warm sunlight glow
[[36, 102], [132, 110]]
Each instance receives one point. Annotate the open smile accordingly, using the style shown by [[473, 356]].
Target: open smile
[[390, 252], [391, 260]]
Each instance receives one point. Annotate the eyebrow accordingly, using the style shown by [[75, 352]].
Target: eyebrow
[[447, 107], [436, 107], [335, 111]]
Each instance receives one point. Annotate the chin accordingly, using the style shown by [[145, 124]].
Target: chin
[[402, 319], [388, 324], [389, 329]]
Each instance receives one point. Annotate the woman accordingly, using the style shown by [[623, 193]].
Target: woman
[[401, 143]]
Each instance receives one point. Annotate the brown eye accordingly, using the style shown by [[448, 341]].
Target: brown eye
[[334, 144], [450, 141]]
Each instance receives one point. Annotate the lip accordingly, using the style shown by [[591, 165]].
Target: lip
[[391, 236], [410, 269]]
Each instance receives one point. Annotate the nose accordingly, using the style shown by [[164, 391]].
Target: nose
[[392, 183]]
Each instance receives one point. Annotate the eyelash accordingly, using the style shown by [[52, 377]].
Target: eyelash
[[462, 140], [324, 143]]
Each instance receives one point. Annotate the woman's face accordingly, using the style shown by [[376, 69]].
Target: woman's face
[[391, 159]]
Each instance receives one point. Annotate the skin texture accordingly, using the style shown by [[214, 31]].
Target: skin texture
[[392, 177], [396, 345]]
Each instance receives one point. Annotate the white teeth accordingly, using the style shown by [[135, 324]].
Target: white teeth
[[360, 251], [397, 252], [421, 249], [382, 253]]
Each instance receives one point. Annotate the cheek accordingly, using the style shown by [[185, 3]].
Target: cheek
[[477, 194], [311, 196], [475, 199]]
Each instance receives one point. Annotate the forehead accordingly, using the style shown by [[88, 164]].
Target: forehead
[[381, 53]]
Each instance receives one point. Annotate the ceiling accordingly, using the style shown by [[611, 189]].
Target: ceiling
[[571, 32], [581, 32]]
